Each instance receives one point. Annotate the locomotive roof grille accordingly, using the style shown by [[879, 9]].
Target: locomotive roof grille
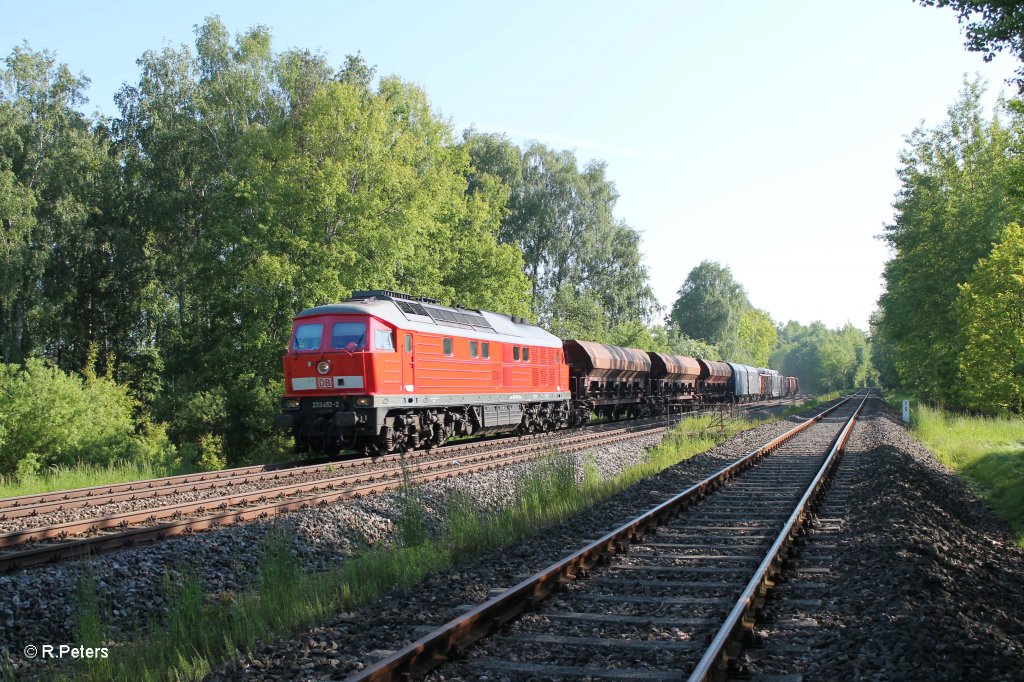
[[411, 308], [394, 295]]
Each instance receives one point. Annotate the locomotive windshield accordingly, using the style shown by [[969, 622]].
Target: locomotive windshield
[[348, 336], [307, 337]]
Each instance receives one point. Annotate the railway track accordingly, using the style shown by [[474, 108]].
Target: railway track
[[33, 545], [76, 498], [20, 512], [672, 592], [95, 496]]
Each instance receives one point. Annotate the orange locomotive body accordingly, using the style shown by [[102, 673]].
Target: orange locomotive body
[[385, 371]]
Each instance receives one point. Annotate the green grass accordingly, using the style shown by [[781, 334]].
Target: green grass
[[987, 452], [84, 476]]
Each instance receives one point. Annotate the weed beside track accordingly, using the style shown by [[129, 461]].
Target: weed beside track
[[987, 452]]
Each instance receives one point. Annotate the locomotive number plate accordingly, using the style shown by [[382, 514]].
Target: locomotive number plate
[[325, 404]]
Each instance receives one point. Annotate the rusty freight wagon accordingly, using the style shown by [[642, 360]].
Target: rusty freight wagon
[[714, 380], [674, 380], [609, 381], [771, 383]]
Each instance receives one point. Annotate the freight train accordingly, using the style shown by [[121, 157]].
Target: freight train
[[384, 371]]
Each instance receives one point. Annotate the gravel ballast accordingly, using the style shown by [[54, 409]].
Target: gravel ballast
[[925, 582]]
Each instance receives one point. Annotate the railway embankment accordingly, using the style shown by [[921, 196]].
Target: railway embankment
[[987, 452], [914, 578], [923, 580]]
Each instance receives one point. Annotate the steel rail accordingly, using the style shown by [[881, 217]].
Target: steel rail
[[62, 530], [725, 645], [431, 650], [141, 485], [160, 485], [429, 471]]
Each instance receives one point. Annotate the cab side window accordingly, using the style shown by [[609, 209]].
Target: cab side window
[[515, 353], [383, 340], [485, 347], [473, 352], [526, 354], [449, 348]]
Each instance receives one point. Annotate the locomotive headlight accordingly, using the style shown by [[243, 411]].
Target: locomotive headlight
[[363, 401], [323, 367], [289, 403]]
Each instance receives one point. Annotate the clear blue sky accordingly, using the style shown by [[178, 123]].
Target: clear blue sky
[[762, 135]]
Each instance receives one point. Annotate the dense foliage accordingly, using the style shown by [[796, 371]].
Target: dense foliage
[[991, 312], [939, 329], [50, 418], [170, 247], [825, 359]]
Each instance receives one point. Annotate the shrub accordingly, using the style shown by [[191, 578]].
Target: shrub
[[49, 418], [211, 455]]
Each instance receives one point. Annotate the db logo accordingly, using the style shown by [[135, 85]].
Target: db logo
[[324, 382]]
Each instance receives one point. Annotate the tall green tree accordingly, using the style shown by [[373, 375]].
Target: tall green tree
[[55, 247], [882, 353], [710, 306], [756, 338], [562, 218], [991, 311], [958, 190]]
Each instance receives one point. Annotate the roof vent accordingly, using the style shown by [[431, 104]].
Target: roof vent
[[384, 293]]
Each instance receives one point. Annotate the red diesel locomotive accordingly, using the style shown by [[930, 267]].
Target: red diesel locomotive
[[385, 371]]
